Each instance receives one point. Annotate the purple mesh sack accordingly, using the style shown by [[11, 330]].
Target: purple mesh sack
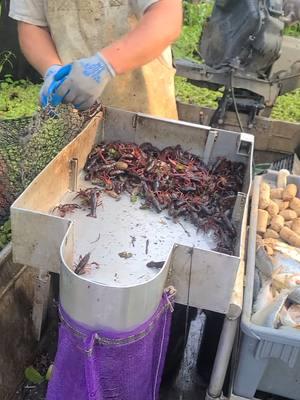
[[106, 365]]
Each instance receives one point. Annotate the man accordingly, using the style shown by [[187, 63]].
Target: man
[[114, 50]]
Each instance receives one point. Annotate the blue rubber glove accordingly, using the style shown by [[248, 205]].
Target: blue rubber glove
[[48, 79], [81, 82]]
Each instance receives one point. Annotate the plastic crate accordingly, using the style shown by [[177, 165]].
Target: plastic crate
[[269, 359]]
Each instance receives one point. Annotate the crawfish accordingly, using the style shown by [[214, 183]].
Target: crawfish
[[63, 209], [80, 267], [92, 197], [151, 197]]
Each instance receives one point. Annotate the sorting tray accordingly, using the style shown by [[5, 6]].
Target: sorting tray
[[121, 293]]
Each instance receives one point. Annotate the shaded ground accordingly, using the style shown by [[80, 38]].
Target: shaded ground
[[45, 357]]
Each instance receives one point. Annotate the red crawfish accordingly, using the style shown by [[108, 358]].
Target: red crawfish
[[92, 197], [63, 209], [81, 267]]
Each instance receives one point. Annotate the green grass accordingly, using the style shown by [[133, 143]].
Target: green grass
[[287, 107], [191, 94], [293, 31]]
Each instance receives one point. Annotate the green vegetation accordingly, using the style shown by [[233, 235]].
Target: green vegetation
[[293, 30], [192, 94], [18, 99], [5, 234], [195, 16], [26, 148], [287, 107]]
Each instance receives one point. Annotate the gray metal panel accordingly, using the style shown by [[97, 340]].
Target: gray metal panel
[[36, 239], [140, 128], [209, 275], [103, 306]]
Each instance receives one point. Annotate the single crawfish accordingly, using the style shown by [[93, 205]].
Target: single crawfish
[[92, 197], [81, 267], [94, 202], [63, 209]]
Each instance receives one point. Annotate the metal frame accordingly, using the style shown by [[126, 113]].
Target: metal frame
[[204, 76]]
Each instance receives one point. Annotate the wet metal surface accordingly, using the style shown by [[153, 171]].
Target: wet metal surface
[[124, 238]]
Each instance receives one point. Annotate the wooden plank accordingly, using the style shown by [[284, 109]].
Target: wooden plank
[[270, 135]]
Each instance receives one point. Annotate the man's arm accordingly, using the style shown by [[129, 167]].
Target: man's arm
[[158, 28], [37, 46]]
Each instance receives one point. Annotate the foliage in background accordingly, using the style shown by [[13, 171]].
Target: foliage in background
[[26, 148], [5, 234], [293, 30], [194, 17], [18, 99], [287, 107], [192, 94]]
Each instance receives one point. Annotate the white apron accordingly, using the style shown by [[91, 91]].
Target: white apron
[[80, 28]]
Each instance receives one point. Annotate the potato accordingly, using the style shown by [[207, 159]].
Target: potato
[[295, 205], [262, 221], [270, 233], [296, 226], [269, 250], [282, 178], [273, 208], [288, 215], [297, 211], [283, 205], [264, 195], [290, 237], [276, 193], [277, 223], [289, 192], [289, 224], [269, 219], [270, 242]]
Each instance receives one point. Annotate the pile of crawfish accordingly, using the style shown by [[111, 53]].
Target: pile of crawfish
[[174, 180]]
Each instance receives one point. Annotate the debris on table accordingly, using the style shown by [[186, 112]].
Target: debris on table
[[155, 264], [125, 254], [133, 240], [147, 246]]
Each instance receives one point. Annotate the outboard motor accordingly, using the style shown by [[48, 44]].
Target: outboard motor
[[243, 34]]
